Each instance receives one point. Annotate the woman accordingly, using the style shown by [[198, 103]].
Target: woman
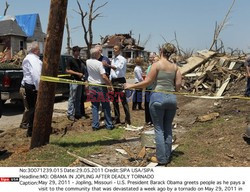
[[162, 104], [137, 98], [148, 119]]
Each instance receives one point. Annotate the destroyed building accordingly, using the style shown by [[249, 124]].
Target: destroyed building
[[213, 74], [17, 33], [130, 49]]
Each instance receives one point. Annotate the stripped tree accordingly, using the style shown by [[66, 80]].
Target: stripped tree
[[87, 28], [221, 26], [6, 8]]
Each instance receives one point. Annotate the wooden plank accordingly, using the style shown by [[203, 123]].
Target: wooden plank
[[203, 75], [222, 61], [231, 66], [224, 85], [193, 74], [86, 161], [195, 61]]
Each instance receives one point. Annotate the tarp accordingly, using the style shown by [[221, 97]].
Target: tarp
[[27, 23]]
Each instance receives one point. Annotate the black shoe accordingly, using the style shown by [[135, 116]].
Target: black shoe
[[94, 129], [22, 126], [28, 134], [2, 152], [110, 128], [115, 122]]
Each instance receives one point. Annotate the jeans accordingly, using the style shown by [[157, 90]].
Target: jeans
[[162, 110], [74, 102], [137, 99], [99, 95], [148, 118], [248, 87]]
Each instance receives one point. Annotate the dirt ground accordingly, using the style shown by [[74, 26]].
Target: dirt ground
[[217, 142]]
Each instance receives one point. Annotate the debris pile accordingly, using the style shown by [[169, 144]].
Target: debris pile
[[6, 61], [212, 73]]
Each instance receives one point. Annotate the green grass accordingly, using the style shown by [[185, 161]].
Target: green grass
[[55, 153], [201, 145]]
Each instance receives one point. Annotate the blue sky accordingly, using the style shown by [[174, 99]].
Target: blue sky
[[192, 20]]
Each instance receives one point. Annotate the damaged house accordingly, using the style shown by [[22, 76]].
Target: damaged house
[[130, 49], [17, 32]]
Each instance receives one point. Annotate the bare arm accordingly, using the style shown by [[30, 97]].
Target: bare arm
[[69, 71], [105, 78], [178, 79], [148, 81], [248, 71], [105, 64]]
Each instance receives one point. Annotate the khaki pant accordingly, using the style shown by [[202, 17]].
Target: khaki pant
[[26, 114]]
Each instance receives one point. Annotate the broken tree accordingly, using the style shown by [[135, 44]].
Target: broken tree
[[92, 15], [46, 93]]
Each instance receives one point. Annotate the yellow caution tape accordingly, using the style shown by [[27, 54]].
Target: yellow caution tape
[[70, 81], [64, 75]]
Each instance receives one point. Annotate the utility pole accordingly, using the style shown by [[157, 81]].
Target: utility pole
[[68, 35], [46, 93]]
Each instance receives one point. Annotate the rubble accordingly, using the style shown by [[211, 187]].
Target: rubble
[[6, 61], [210, 73]]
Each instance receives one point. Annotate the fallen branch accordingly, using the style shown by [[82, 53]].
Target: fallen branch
[[86, 161]]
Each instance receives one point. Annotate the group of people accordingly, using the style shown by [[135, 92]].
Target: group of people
[[106, 82], [162, 75]]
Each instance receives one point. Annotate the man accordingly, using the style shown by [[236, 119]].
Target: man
[[32, 67], [148, 119], [107, 66], [118, 73], [74, 67], [83, 95], [2, 150], [98, 94], [25, 120], [247, 64], [0, 105], [105, 61]]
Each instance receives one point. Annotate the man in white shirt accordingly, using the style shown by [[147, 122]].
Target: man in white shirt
[[98, 94], [118, 74], [32, 67]]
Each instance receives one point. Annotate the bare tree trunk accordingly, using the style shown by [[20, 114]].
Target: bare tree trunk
[[221, 26], [46, 94], [68, 35], [6, 8], [177, 44], [87, 29]]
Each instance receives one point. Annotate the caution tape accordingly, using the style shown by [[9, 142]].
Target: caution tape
[[64, 75], [70, 81]]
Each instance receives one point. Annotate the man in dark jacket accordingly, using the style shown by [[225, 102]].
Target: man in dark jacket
[[74, 67], [2, 151]]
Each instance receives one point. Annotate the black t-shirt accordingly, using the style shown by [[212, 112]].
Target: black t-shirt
[[0, 106], [75, 65]]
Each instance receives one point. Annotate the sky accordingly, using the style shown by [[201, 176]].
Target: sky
[[156, 20]]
